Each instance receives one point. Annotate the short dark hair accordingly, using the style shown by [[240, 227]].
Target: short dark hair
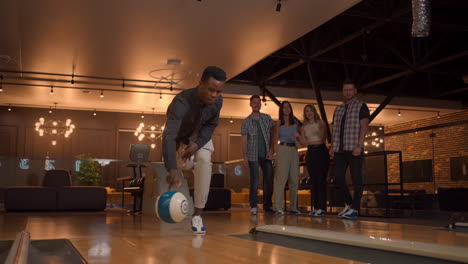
[[254, 96], [349, 81], [215, 72]]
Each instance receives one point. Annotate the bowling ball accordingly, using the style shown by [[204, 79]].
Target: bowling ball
[[171, 207]]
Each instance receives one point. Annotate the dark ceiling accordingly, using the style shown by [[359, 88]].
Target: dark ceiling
[[371, 43]]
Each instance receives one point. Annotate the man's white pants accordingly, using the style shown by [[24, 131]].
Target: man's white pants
[[202, 174]]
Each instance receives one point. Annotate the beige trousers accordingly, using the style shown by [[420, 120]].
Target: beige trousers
[[287, 169], [202, 174]]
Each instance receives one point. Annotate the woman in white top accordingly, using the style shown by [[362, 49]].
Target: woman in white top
[[313, 135]]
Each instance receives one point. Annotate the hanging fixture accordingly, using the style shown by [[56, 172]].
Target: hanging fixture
[[151, 132], [278, 6], [54, 127]]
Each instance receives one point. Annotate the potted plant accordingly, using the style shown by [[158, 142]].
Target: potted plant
[[88, 173]]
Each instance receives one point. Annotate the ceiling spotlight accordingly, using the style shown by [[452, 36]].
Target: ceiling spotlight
[[175, 61], [399, 113], [380, 128], [160, 96], [51, 89], [143, 115], [1, 83], [94, 114], [438, 114], [102, 94], [9, 107], [278, 6], [50, 110], [231, 121]]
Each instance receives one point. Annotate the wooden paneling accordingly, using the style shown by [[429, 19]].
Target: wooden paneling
[[97, 142]]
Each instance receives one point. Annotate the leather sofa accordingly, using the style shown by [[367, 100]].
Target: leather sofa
[[55, 194]]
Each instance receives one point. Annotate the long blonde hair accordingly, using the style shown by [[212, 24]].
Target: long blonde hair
[[316, 116]]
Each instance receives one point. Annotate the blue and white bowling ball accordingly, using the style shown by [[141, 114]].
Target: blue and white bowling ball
[[171, 207]]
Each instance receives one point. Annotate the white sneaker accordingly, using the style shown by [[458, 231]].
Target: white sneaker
[[280, 212], [346, 208], [350, 214], [197, 225], [253, 211], [312, 213]]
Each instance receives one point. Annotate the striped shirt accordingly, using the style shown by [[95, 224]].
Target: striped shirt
[[249, 129]]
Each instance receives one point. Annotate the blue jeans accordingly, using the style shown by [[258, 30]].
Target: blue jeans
[[267, 170]]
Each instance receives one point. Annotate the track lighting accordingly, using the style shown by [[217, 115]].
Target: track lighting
[[102, 94], [278, 6]]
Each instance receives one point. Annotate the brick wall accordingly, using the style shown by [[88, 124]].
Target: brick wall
[[415, 141]]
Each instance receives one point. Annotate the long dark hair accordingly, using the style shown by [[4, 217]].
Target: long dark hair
[[291, 118], [316, 116]]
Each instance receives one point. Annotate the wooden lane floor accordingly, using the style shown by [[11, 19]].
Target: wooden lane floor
[[114, 237]]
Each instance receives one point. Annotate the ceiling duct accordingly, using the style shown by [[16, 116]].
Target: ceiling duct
[[421, 18]]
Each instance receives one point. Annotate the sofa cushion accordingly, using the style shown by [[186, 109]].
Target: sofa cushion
[[56, 178], [81, 198], [31, 198]]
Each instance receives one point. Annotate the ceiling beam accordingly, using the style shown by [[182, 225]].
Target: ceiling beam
[[338, 43], [417, 68], [321, 106]]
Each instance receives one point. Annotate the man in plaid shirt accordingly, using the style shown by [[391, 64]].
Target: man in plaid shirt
[[350, 121], [258, 150]]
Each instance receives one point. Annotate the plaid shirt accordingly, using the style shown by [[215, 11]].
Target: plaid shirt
[[249, 128], [352, 125]]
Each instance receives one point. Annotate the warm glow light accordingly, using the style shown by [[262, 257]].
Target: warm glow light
[[54, 142], [153, 145], [55, 123], [54, 131]]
